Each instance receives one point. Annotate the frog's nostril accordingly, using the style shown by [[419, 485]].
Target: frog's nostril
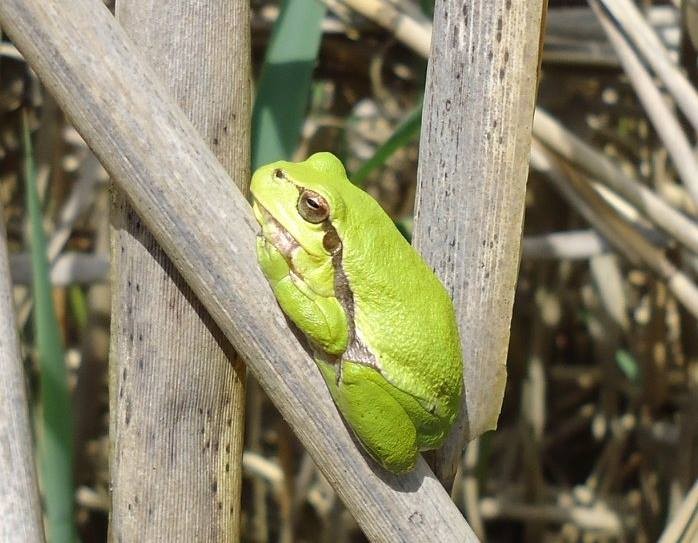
[[278, 173]]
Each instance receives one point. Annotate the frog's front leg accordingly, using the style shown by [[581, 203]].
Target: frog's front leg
[[321, 318]]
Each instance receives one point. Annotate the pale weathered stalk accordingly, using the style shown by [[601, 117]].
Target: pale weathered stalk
[[683, 527], [412, 31], [663, 119], [625, 239], [599, 518], [645, 39], [20, 508], [66, 269], [207, 229], [473, 166], [569, 245], [564, 143], [174, 378]]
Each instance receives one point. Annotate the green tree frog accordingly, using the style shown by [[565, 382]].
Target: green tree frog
[[380, 325]]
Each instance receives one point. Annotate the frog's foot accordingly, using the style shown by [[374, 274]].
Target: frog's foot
[[378, 420], [274, 265]]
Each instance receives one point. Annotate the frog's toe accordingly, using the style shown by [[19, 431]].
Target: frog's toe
[[272, 262]]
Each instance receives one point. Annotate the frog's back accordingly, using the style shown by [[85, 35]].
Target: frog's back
[[401, 309]]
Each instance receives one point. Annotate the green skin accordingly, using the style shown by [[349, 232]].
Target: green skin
[[380, 324]]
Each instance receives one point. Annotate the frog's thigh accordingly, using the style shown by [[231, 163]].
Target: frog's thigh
[[377, 419]]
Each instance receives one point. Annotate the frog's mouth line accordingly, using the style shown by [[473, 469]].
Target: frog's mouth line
[[281, 238]]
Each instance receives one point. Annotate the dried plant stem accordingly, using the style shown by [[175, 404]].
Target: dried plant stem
[[413, 32], [259, 528], [471, 488], [572, 245], [622, 236], [643, 37], [683, 528], [590, 518], [566, 144], [475, 144], [68, 268], [255, 465], [173, 376], [601, 168], [664, 121], [285, 495], [609, 282]]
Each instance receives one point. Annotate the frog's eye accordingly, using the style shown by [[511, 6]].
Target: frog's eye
[[313, 207]]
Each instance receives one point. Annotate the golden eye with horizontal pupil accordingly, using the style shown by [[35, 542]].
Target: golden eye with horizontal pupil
[[313, 207], [331, 241]]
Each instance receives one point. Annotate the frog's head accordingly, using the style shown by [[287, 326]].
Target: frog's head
[[303, 199]]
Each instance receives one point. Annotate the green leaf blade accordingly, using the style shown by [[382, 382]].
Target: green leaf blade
[[285, 81], [55, 435], [404, 134]]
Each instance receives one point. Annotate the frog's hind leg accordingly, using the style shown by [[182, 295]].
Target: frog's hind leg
[[378, 420]]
